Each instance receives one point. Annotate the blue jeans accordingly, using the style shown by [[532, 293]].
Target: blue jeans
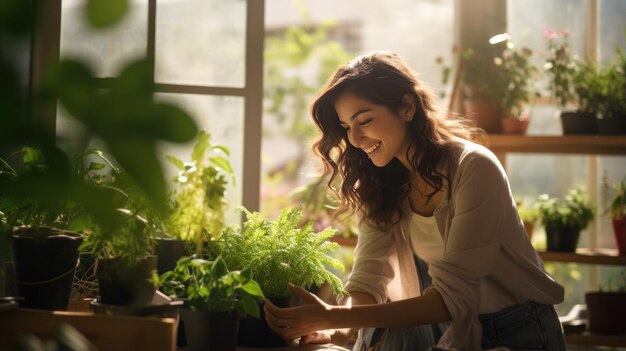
[[527, 326]]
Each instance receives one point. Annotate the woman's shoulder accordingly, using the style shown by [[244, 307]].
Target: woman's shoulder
[[467, 153]]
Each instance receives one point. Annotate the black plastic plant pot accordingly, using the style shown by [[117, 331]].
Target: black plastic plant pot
[[45, 262], [576, 123], [210, 330], [561, 238], [126, 281], [612, 125], [169, 251], [605, 312], [255, 332]]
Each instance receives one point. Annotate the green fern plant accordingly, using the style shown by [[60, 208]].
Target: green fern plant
[[199, 199], [281, 251]]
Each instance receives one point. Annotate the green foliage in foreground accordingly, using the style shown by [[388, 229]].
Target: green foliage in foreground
[[209, 286], [281, 251]]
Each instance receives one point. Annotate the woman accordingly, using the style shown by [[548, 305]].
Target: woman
[[420, 187]]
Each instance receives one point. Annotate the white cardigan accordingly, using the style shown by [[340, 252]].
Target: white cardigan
[[483, 239]]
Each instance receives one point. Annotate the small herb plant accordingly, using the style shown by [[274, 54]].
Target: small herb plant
[[527, 213], [209, 286], [574, 212], [132, 235], [617, 208], [199, 198], [281, 251]]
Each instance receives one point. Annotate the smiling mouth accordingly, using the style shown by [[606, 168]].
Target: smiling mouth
[[372, 148]]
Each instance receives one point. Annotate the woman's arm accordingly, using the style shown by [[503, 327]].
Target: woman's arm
[[291, 323]]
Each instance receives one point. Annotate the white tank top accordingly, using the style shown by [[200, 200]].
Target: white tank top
[[426, 240]]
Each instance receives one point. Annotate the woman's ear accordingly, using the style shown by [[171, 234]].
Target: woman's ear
[[407, 110]]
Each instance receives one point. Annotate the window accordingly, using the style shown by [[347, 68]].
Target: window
[[214, 73]]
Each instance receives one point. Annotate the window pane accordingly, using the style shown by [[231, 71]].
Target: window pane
[[213, 50], [106, 50], [612, 28], [222, 116]]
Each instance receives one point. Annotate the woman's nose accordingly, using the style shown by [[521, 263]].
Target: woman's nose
[[355, 136]]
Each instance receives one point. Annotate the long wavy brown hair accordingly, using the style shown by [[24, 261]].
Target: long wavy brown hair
[[380, 192]]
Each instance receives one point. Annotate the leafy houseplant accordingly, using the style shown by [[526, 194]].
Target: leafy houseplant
[[215, 299], [279, 252], [564, 220], [44, 251], [612, 112], [504, 79], [199, 198], [125, 251], [617, 212], [606, 308], [571, 81], [528, 215]]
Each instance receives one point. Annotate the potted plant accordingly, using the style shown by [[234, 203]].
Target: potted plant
[[570, 82], [528, 215], [506, 80], [617, 212], [606, 308], [215, 300], [564, 220], [198, 201], [45, 252], [278, 252], [612, 112], [125, 248]]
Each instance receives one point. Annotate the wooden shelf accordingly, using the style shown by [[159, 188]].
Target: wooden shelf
[[574, 144], [595, 339], [595, 256]]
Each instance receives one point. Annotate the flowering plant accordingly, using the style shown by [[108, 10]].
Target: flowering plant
[[505, 77], [560, 65]]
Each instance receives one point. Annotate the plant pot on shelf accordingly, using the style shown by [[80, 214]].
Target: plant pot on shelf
[[45, 262], [168, 251], [561, 238], [210, 330], [612, 125], [529, 227], [578, 123], [605, 312], [511, 125], [126, 282], [487, 114], [620, 234], [255, 332]]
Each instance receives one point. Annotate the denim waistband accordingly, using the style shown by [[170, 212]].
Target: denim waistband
[[496, 321]]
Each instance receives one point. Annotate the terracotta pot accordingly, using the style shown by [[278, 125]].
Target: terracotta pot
[[620, 234], [605, 312], [515, 125], [486, 114], [530, 227]]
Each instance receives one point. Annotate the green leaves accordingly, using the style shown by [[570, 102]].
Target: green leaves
[[104, 13], [281, 251], [574, 211], [209, 286]]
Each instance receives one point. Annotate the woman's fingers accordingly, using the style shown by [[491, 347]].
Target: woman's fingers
[[305, 295]]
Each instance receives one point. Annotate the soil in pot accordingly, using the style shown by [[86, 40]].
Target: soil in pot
[[561, 238], [574, 122], [255, 332], [126, 282], [45, 262], [605, 312], [210, 330]]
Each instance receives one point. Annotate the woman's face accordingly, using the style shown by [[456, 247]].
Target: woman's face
[[375, 129]]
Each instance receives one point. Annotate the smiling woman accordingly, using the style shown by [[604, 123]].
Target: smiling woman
[[441, 248]]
